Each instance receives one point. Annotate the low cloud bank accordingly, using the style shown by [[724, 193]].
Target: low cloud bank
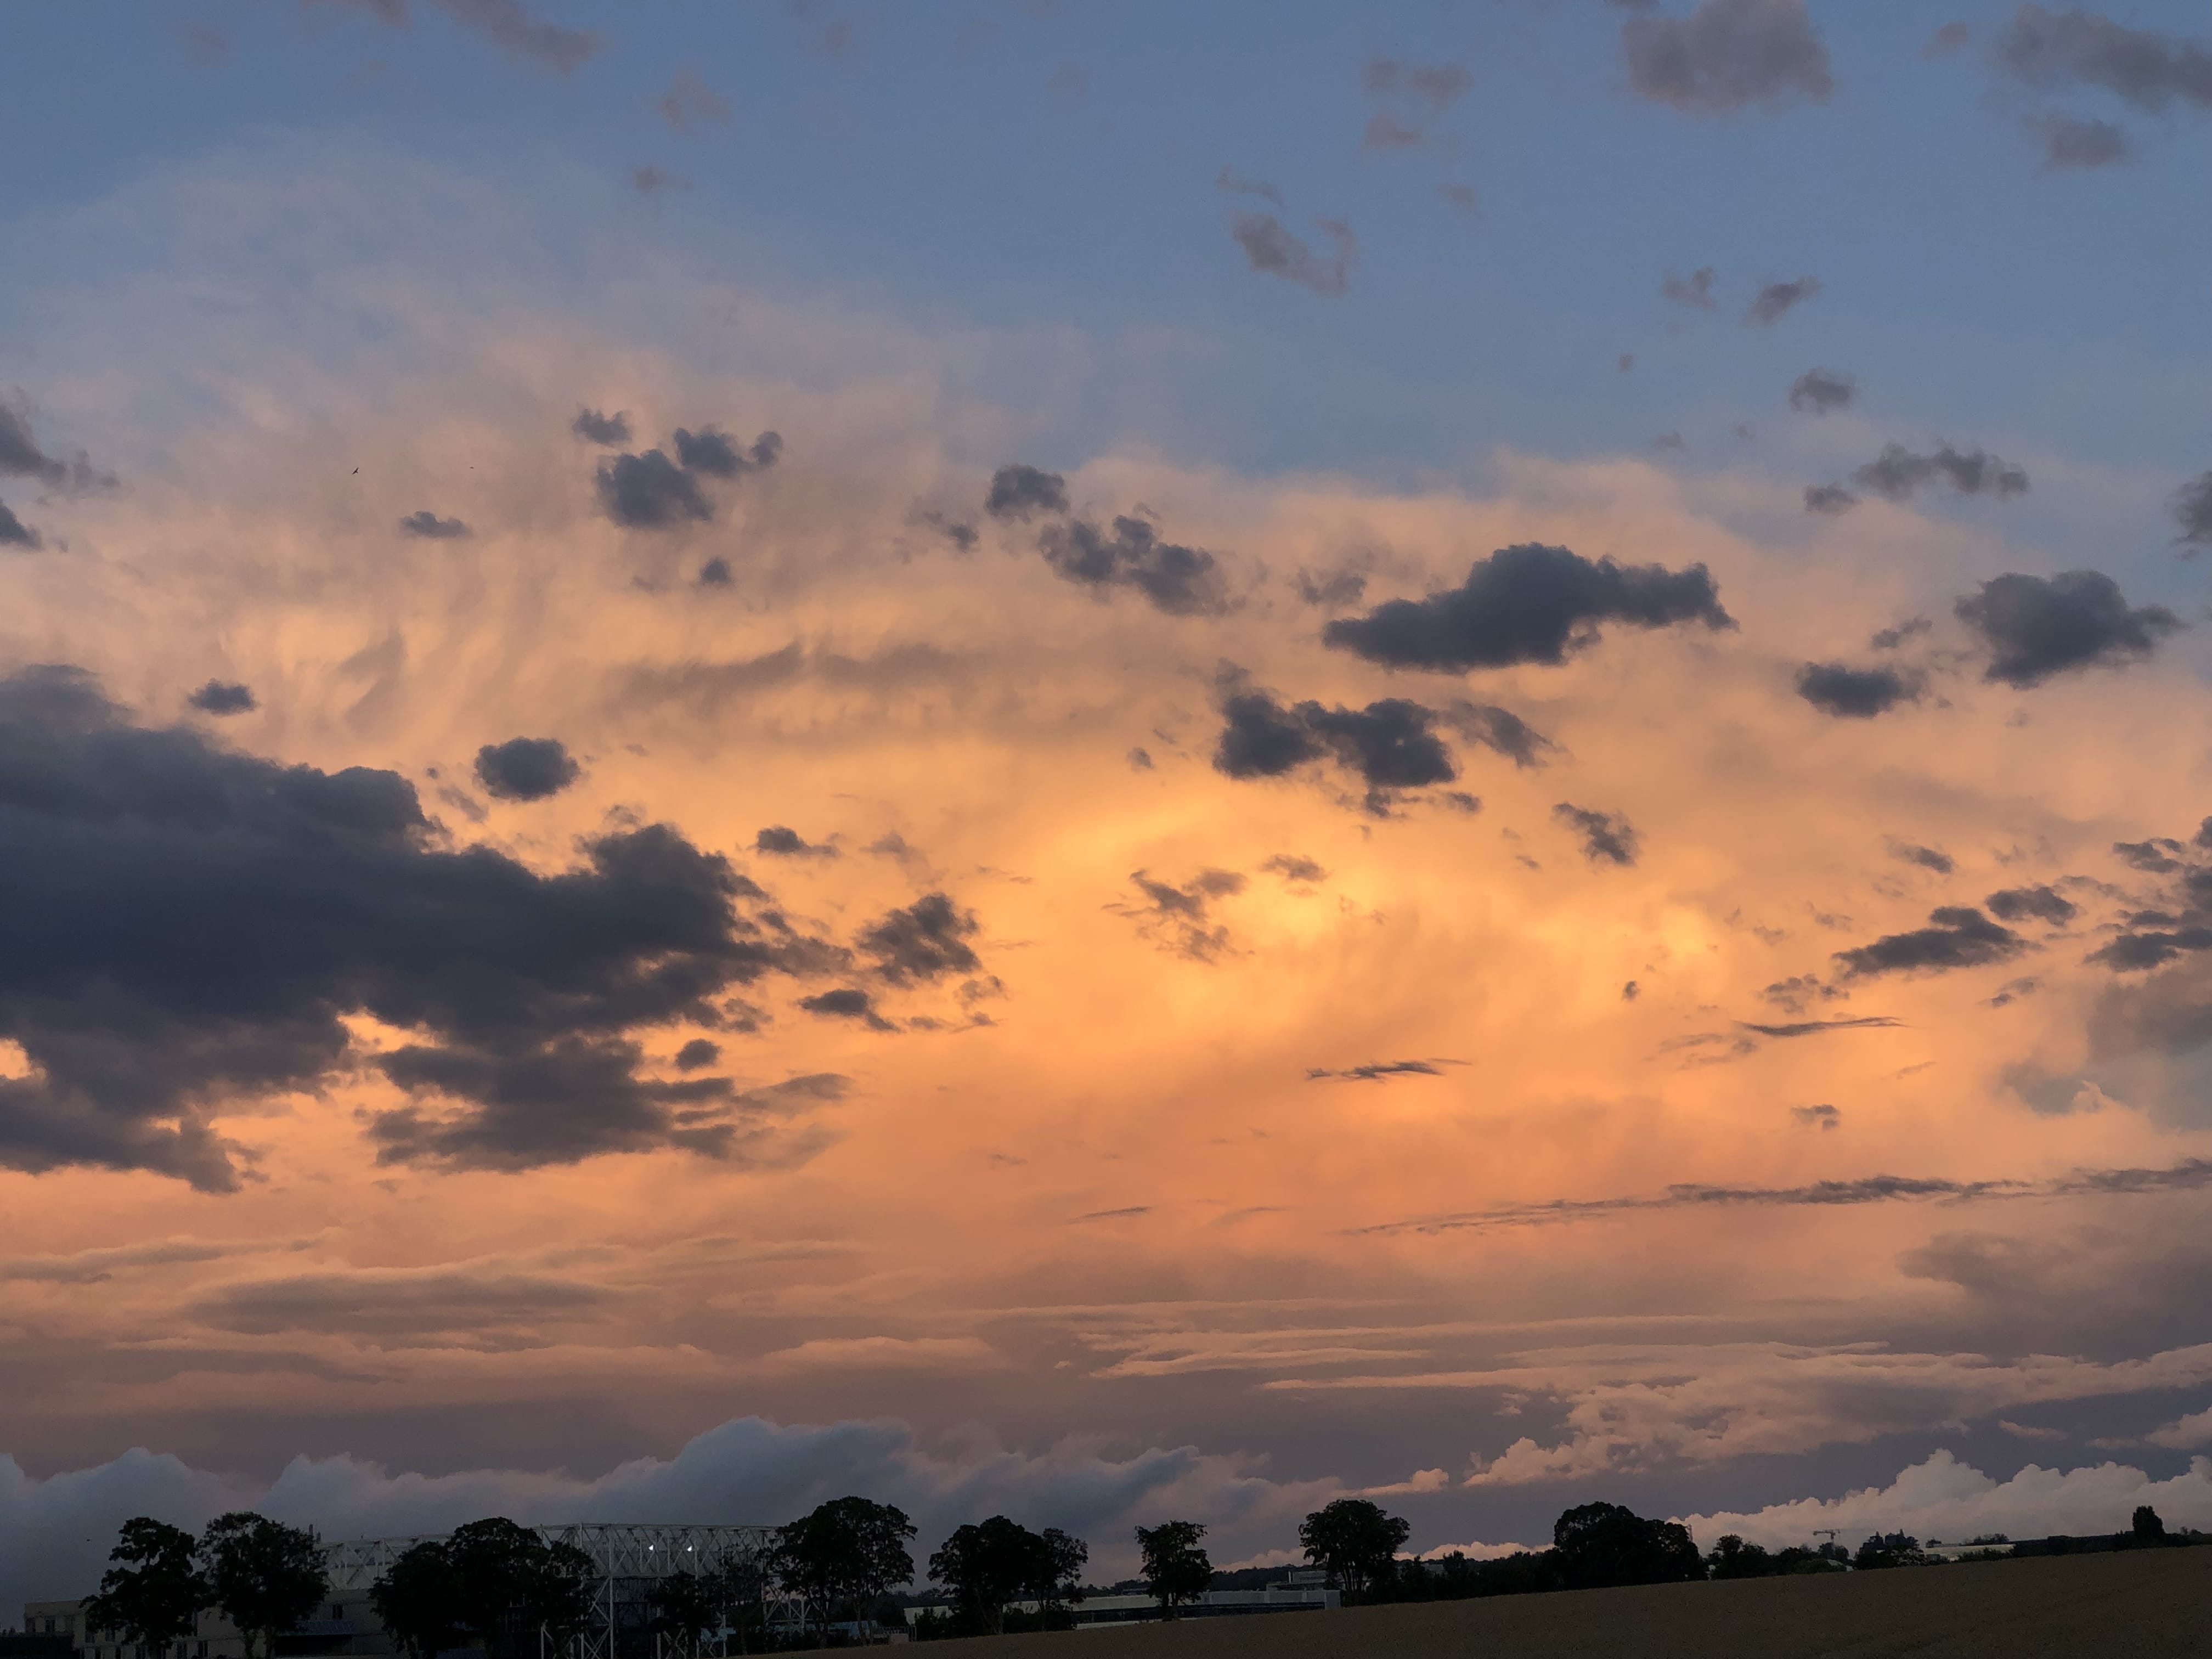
[[1941, 1498], [55, 1533]]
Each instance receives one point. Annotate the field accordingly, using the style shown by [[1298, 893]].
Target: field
[[2097, 1606]]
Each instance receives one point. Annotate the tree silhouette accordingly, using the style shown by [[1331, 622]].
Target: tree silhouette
[[2148, 1529], [265, 1576], [848, 1550], [685, 1604], [1175, 1570], [988, 1563], [418, 1599], [1604, 1544], [153, 1592], [1060, 1560], [1355, 1542], [512, 1585]]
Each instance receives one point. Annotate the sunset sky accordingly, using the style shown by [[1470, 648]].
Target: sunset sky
[[1105, 760]]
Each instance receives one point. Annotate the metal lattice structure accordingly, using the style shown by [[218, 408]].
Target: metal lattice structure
[[626, 1557]]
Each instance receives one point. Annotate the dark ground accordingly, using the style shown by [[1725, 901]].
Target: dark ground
[[2101, 1606]]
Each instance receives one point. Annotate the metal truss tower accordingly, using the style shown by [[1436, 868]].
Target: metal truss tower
[[627, 1558]]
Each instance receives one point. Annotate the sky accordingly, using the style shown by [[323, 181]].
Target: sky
[[1104, 762]]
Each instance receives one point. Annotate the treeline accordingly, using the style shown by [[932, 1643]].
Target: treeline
[[500, 1586], [265, 1577]]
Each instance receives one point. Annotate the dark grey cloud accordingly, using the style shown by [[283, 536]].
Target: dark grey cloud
[[1414, 96], [2042, 903], [1182, 581], [925, 941], [2071, 143], [2192, 511], [1793, 994], [1607, 837], [21, 457], [430, 527], [2159, 855], [1947, 39], [2135, 952], [781, 841], [1801, 1028], [1261, 737], [223, 697], [1898, 472], [1391, 744], [1140, 758], [1500, 730], [697, 1055], [715, 573], [2181, 926], [2144, 69], [651, 180], [525, 769], [1778, 300], [1890, 638], [1018, 491], [961, 534], [1669, 441], [1823, 391], [395, 1304], [1295, 867], [1838, 689], [1378, 1070], [1529, 602], [1177, 917], [507, 25], [1817, 1117], [2036, 626], [2185, 1176], [1728, 54], [714, 452], [14, 532], [192, 927], [1833, 500], [594, 427], [847, 1002], [650, 492], [1695, 291], [1272, 248], [689, 103], [1334, 590], [1928, 858], [1957, 936], [1229, 182]]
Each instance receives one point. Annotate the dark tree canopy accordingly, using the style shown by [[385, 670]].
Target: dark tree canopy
[[513, 1584], [684, 1606], [418, 1599], [265, 1576], [849, 1551], [1355, 1542], [986, 1564], [1604, 1544], [153, 1591], [1176, 1568]]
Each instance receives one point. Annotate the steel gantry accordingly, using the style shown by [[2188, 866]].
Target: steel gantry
[[626, 1557]]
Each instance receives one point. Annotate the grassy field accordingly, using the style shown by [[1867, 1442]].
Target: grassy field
[[2095, 1607]]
